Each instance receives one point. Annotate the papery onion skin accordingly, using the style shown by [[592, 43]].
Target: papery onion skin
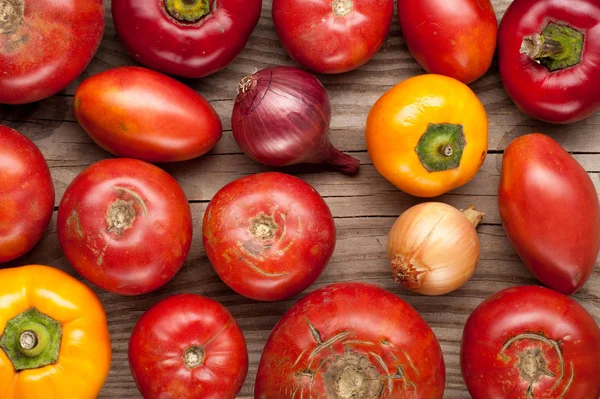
[[433, 248], [281, 117]]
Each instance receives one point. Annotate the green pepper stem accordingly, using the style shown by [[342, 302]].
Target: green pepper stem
[[558, 47], [188, 10]]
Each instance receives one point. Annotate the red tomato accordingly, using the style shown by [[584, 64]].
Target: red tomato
[[26, 194], [531, 342], [191, 38], [351, 340], [332, 36], [268, 236], [456, 38], [125, 225], [45, 45], [188, 347], [549, 209], [138, 113]]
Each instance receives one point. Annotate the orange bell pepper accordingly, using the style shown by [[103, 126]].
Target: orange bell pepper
[[428, 135], [55, 341]]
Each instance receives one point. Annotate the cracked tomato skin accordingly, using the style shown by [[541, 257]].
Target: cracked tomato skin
[[125, 225], [351, 338], [269, 235], [173, 328], [26, 194], [33, 70], [335, 36], [514, 341]]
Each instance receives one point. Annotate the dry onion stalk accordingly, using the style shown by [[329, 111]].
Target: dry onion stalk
[[433, 247]]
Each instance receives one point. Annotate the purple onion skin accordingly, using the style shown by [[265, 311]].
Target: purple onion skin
[[281, 117]]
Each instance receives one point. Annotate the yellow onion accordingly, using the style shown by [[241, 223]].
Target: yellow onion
[[433, 248]]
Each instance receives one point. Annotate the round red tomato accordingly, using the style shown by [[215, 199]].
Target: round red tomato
[[332, 36], [550, 211], [531, 342], [138, 113], [125, 225], [268, 236], [26, 194], [191, 38], [456, 38], [350, 341], [45, 45], [188, 347]]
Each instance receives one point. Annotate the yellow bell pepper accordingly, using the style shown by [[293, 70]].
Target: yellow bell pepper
[[55, 341], [428, 135]]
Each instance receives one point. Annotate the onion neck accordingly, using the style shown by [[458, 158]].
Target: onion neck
[[12, 13], [473, 215], [187, 10], [558, 47], [341, 162]]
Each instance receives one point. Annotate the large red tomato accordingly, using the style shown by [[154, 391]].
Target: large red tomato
[[549, 209], [188, 347], [26, 194], [531, 342], [191, 38], [269, 235], [125, 225], [456, 38], [332, 36], [45, 45], [138, 113], [350, 341]]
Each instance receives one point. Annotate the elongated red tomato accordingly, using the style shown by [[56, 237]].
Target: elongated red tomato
[[138, 113], [188, 347], [549, 209], [351, 341], [26, 194], [531, 342], [125, 225], [269, 235]]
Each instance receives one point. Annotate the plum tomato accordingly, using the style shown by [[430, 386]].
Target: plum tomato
[[125, 225], [45, 45], [329, 36], [531, 342], [351, 340], [187, 38], [269, 235], [188, 347], [26, 194]]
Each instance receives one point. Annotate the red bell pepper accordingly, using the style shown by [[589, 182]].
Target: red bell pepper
[[549, 57]]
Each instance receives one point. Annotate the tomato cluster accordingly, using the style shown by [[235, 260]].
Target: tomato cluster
[[126, 225]]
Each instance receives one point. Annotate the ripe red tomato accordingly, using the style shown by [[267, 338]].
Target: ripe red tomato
[[45, 45], [138, 113], [549, 209], [351, 340], [456, 38], [188, 347], [125, 225], [268, 236], [26, 194], [191, 38], [531, 342], [332, 36]]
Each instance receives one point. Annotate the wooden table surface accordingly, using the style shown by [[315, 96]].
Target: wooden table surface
[[364, 205]]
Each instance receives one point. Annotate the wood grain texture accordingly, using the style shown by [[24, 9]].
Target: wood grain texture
[[364, 206]]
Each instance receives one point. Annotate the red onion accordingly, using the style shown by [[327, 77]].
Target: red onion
[[281, 117]]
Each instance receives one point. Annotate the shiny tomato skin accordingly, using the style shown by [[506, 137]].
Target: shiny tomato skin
[[269, 235], [327, 41], [163, 335], [456, 38], [125, 225], [351, 338], [51, 45], [550, 212], [191, 50], [531, 328], [138, 113], [26, 194]]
